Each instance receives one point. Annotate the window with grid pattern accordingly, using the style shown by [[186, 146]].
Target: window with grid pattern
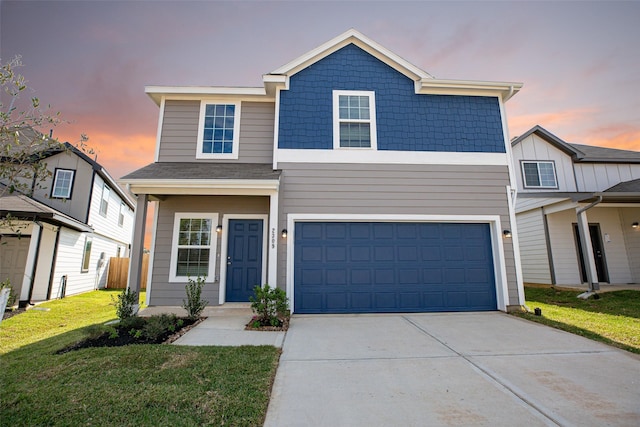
[[194, 246], [354, 119], [539, 174], [62, 184], [218, 133]]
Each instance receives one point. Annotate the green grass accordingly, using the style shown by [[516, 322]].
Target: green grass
[[56, 317], [133, 385], [613, 319]]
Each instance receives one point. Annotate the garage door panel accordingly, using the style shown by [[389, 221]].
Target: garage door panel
[[392, 267]]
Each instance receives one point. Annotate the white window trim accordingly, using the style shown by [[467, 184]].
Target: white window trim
[[537, 162], [55, 181], [371, 121], [121, 215], [213, 251], [236, 130], [87, 239], [105, 191]]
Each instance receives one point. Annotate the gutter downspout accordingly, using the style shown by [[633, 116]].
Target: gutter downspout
[[587, 249]]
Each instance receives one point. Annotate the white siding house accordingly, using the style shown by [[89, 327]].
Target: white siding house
[[571, 193], [66, 230]]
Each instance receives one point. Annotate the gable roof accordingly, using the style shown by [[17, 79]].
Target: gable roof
[[425, 83], [355, 37], [579, 152], [27, 133]]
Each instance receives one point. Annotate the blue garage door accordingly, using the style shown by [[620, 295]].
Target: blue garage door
[[378, 267]]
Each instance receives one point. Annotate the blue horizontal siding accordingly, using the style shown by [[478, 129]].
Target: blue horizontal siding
[[405, 121]]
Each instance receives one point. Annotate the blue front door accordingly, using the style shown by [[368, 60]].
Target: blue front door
[[244, 258]]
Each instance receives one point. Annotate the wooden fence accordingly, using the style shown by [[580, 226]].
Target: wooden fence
[[119, 270]]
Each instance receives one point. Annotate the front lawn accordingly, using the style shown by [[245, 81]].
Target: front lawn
[[614, 318], [131, 385]]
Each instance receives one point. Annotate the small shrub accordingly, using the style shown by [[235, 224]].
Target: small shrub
[[156, 326], [12, 294], [270, 305], [125, 303], [194, 304], [134, 322]]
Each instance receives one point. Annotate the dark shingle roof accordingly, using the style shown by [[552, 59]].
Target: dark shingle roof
[[580, 152], [199, 171], [632, 186], [25, 208], [592, 153]]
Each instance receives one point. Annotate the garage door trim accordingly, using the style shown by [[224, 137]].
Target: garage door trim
[[497, 244]]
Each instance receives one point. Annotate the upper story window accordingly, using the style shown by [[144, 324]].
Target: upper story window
[[354, 119], [62, 184], [218, 130], [104, 202], [539, 174]]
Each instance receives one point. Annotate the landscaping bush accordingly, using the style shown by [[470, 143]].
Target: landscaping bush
[[270, 305], [194, 304], [125, 304]]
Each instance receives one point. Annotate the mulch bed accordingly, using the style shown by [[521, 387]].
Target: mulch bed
[[268, 327], [124, 338], [10, 313]]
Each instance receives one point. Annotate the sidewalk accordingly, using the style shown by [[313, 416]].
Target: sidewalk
[[223, 326]]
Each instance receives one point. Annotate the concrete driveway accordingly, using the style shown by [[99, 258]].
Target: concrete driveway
[[452, 369]]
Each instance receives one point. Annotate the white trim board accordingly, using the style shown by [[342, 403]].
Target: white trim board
[[497, 242], [224, 247], [287, 155]]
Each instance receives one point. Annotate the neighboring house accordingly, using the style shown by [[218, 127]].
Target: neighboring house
[[63, 234], [567, 189], [353, 179]]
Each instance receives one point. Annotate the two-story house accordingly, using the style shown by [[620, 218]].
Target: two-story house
[[61, 236], [352, 179], [573, 193]]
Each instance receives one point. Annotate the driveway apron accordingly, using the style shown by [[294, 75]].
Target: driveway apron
[[449, 369]]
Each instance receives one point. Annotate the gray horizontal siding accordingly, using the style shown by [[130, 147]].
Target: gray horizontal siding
[[179, 133], [396, 189], [533, 247], [170, 293]]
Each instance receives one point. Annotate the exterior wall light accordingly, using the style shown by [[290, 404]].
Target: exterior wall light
[[506, 234], [218, 229], [284, 233], [635, 225]]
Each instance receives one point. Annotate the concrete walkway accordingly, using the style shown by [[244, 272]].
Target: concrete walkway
[[449, 369], [224, 326]]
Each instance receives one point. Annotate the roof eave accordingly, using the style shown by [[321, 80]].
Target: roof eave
[[156, 93], [505, 90]]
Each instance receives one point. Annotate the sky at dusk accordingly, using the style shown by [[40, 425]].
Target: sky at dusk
[[579, 61]]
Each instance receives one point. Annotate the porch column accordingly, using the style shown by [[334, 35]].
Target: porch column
[[137, 246], [587, 250], [274, 238]]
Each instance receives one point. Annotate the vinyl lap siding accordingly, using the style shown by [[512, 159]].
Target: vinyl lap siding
[[533, 247], [395, 189], [172, 293], [180, 132]]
